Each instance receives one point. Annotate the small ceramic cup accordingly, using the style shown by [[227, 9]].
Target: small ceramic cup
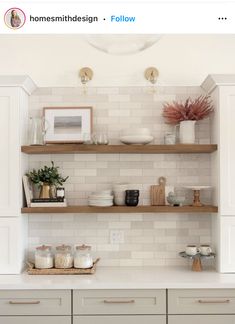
[[205, 249], [191, 250]]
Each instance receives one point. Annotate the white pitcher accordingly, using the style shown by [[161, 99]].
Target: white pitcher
[[37, 130], [187, 132]]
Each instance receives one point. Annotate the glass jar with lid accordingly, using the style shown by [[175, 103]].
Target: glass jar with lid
[[63, 257], [43, 257], [82, 257]]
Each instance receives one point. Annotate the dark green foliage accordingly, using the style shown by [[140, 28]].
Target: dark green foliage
[[48, 175]]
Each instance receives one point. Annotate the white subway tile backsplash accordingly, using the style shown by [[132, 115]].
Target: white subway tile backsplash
[[131, 262], [86, 172], [149, 239]]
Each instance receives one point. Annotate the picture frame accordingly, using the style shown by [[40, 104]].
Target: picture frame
[[67, 124], [28, 190]]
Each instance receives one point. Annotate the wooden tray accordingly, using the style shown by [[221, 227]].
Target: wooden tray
[[53, 271]]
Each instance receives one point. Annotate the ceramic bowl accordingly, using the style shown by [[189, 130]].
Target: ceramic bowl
[[132, 201], [132, 194], [136, 139], [119, 201]]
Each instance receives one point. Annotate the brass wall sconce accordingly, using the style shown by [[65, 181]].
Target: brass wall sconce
[[86, 75], [151, 74]]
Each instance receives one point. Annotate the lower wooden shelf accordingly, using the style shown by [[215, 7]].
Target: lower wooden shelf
[[119, 209]]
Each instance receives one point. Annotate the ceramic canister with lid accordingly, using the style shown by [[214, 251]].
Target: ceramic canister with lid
[[82, 257], [63, 257], [43, 257]]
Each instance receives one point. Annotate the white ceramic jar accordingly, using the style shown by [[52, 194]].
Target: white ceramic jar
[[43, 257], [82, 257], [119, 192], [187, 132]]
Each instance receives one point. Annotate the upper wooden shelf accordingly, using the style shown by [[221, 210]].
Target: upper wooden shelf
[[119, 209], [128, 149]]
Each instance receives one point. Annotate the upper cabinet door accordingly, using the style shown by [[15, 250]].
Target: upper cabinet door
[[10, 137], [227, 150]]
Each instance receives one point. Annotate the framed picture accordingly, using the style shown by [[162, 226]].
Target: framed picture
[[68, 124], [28, 190]]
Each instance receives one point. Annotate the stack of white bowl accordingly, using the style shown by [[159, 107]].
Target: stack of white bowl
[[119, 191], [101, 199], [136, 136]]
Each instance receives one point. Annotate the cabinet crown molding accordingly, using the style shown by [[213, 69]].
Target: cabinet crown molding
[[214, 80], [22, 81]]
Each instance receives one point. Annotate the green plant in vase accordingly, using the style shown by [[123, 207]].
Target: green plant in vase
[[47, 178]]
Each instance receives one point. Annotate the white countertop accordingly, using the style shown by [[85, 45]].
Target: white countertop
[[123, 278]]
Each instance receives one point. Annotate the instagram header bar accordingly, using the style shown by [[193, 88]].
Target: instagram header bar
[[97, 18]]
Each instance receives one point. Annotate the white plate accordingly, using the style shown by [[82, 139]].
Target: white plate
[[100, 204], [136, 139], [197, 187], [100, 200], [101, 197], [102, 193]]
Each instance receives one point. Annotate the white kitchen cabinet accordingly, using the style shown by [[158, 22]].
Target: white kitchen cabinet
[[35, 319], [227, 149], [35, 306], [35, 302], [127, 306], [14, 93], [202, 319], [227, 238], [204, 306], [13, 133], [221, 88], [201, 301], [11, 252], [130, 319], [106, 301]]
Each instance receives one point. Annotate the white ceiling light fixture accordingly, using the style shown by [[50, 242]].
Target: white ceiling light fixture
[[122, 44]]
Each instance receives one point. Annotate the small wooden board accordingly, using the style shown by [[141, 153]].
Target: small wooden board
[[53, 271], [157, 193]]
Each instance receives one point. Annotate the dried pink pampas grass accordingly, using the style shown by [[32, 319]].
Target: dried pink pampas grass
[[197, 109]]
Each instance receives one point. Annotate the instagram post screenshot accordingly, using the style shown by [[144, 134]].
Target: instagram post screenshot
[[117, 157]]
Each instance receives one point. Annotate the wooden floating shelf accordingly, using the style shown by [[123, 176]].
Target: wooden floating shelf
[[119, 209], [128, 149]]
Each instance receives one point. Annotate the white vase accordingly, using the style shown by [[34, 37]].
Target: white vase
[[187, 132]]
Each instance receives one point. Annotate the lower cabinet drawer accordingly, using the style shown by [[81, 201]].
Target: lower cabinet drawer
[[128, 319], [106, 302], [35, 319], [201, 301], [202, 319], [35, 302]]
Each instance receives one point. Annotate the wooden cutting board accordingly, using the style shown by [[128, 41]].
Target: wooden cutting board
[[157, 193]]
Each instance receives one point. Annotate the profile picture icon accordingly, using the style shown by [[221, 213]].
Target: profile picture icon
[[14, 18]]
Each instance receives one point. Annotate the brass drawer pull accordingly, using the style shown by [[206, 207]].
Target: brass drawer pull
[[36, 302], [221, 301], [131, 301]]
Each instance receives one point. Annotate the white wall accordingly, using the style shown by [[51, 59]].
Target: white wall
[[54, 60]]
